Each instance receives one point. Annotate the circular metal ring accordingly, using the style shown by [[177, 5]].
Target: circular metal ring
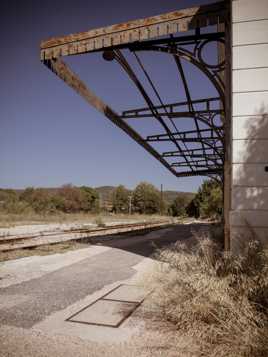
[[200, 57]]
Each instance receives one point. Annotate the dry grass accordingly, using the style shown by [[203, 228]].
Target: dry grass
[[11, 220], [217, 302]]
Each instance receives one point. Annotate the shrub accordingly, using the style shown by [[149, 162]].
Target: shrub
[[99, 222], [218, 301]]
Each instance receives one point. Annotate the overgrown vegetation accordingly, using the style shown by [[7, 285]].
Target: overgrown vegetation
[[66, 199], [179, 206], [144, 199], [208, 202], [147, 199], [217, 301], [120, 199]]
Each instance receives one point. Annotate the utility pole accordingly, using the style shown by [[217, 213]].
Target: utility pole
[[161, 207], [130, 204]]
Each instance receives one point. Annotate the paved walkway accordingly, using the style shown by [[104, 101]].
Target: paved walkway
[[38, 294]]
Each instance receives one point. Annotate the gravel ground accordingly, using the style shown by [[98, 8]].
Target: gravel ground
[[30, 343]]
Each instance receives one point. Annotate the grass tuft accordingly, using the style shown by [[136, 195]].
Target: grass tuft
[[217, 301]]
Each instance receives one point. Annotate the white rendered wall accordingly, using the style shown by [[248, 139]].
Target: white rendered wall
[[249, 204]]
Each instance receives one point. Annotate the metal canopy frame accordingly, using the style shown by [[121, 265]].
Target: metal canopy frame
[[200, 151]]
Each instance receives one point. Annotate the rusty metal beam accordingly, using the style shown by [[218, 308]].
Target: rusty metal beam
[[207, 172], [192, 152], [173, 114], [186, 135], [132, 31], [173, 109], [197, 156], [69, 77]]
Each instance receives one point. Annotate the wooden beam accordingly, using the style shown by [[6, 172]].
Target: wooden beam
[[69, 77], [132, 31]]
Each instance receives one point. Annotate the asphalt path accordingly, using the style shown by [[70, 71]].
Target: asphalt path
[[56, 290]]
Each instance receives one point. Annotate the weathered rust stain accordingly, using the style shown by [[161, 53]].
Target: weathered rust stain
[[154, 20]]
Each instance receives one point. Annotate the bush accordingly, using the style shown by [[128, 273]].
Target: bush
[[99, 222], [39, 199], [217, 301], [10, 203]]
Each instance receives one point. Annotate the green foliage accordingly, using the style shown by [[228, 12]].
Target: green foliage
[[73, 199], [38, 199], [67, 199], [10, 202], [208, 201], [90, 199], [120, 199], [178, 206], [147, 199]]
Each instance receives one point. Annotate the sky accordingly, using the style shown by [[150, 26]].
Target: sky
[[49, 136]]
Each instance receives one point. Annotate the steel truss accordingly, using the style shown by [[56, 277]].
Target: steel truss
[[202, 111], [199, 151]]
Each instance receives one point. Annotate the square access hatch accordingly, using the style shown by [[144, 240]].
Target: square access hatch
[[113, 308]]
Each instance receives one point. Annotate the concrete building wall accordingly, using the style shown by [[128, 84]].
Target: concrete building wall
[[249, 203]]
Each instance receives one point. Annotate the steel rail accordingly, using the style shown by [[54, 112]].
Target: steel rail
[[86, 233]]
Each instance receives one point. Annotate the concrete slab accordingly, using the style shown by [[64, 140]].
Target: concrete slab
[[56, 323], [104, 313], [129, 293], [21, 270]]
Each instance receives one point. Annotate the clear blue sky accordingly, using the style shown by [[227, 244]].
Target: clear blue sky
[[48, 135]]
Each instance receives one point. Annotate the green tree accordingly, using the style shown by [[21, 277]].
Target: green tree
[[90, 199], [147, 199], [28, 195], [10, 202], [178, 206], [39, 199], [120, 199], [71, 198], [208, 201]]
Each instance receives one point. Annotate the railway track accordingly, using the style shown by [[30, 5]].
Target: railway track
[[23, 241]]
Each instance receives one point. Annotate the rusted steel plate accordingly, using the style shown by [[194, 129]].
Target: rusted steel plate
[[137, 30]]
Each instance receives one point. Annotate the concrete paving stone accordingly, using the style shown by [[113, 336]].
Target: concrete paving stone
[[105, 312], [61, 288], [130, 293]]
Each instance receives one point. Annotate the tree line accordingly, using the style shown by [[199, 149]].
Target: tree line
[[144, 199]]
